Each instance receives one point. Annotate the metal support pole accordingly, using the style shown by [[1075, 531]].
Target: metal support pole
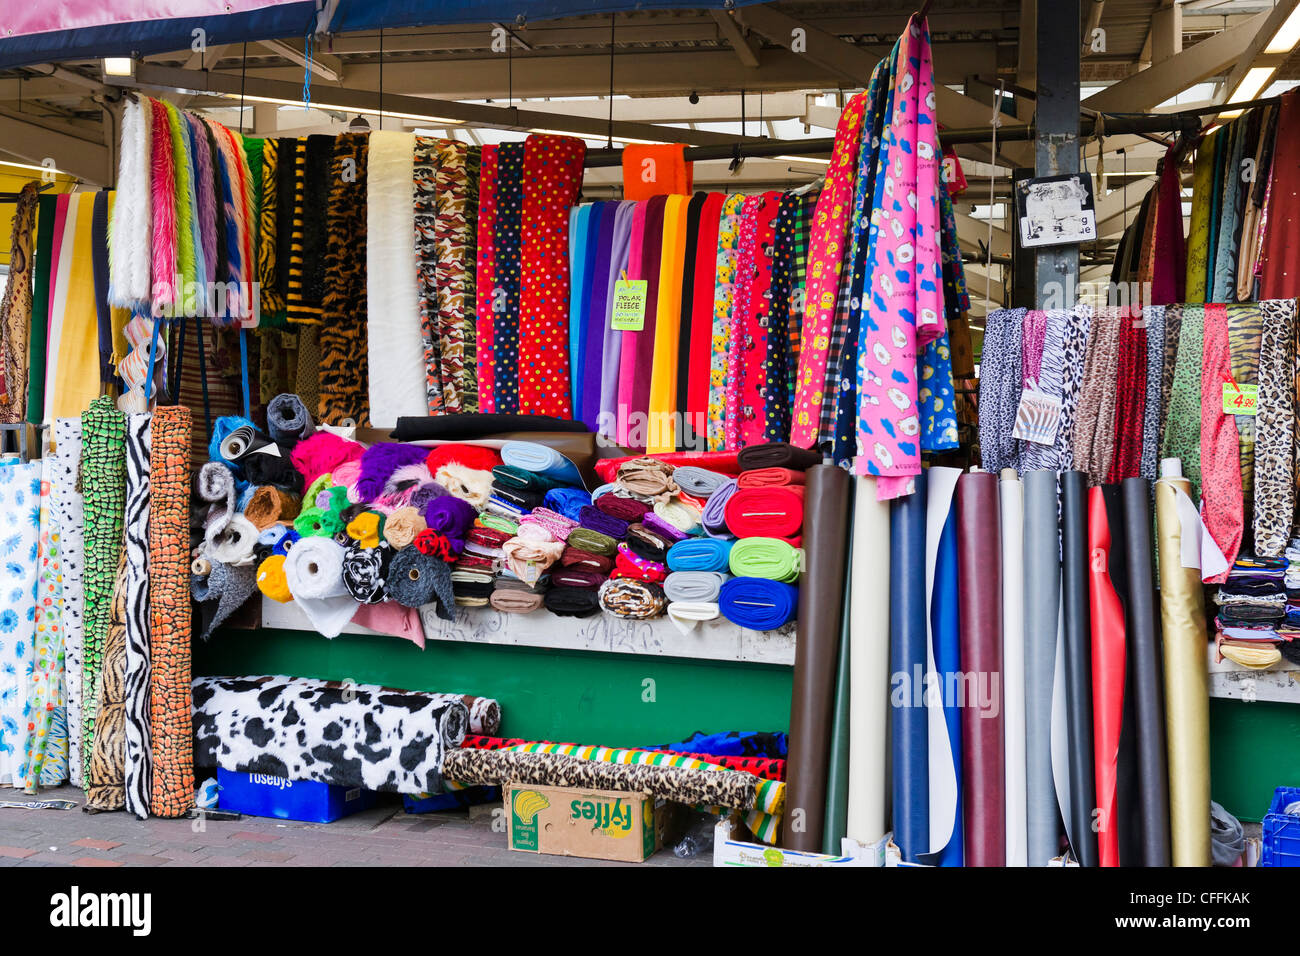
[[1023, 283], [1057, 140]]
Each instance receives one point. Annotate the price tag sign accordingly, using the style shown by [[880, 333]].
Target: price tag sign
[[629, 305], [1240, 399]]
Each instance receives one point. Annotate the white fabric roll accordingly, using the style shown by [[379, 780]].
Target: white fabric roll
[[59, 303], [1011, 503], [868, 818], [20, 517], [231, 543], [131, 229], [397, 375], [687, 615], [66, 502], [314, 572]]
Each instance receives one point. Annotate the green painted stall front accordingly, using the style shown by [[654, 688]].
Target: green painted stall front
[[620, 700], [1254, 749]]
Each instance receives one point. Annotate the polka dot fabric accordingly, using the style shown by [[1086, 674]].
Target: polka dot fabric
[[552, 179], [754, 331], [485, 278], [505, 296]]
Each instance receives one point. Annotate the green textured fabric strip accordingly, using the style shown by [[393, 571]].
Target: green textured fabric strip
[[46, 210], [103, 486], [1182, 437], [766, 558]]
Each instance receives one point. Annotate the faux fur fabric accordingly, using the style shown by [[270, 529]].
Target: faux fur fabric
[[322, 453], [131, 236], [380, 461], [205, 190], [395, 351], [183, 170], [268, 272], [344, 362], [354, 735], [162, 188]]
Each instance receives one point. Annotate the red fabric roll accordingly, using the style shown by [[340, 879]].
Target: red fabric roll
[[471, 456], [723, 462], [767, 512], [1279, 263], [770, 478], [1130, 398], [485, 278], [980, 640], [1220, 448], [706, 263], [1108, 665], [753, 384], [629, 565], [1169, 263], [577, 558], [624, 509]]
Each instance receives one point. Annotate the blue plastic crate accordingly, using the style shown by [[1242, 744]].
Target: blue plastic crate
[[261, 795], [1282, 830], [451, 800]]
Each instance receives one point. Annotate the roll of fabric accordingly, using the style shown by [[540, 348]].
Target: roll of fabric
[[46, 759], [666, 530], [1000, 387], [138, 752], [515, 602], [1078, 665], [590, 539], [288, 420], [365, 573], [628, 564], [531, 552], [625, 509], [216, 484], [270, 505], [271, 580], [172, 792], [700, 554], [1106, 613], [1012, 518], [701, 587], [20, 488], [233, 544], [1042, 608], [647, 477], [1274, 487], [106, 773], [596, 520], [577, 558], [1094, 427], [644, 543], [681, 515], [540, 459], [571, 577], [67, 511], [770, 478], [1220, 449], [688, 615], [313, 570], [1182, 431], [630, 598], [772, 512], [907, 654], [558, 525], [220, 592], [766, 558], [567, 501], [1186, 683], [521, 479], [700, 482], [103, 480], [402, 526], [470, 484], [322, 453], [714, 517], [396, 356], [777, 455], [817, 648], [572, 602], [1142, 634]]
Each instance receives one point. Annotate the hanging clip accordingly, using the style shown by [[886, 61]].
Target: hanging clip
[[736, 159]]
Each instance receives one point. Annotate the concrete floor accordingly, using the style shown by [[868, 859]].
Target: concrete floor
[[384, 835]]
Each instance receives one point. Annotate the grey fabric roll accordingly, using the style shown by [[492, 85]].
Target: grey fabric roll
[[1000, 388], [694, 586], [1227, 839], [699, 482], [1042, 615], [416, 579], [222, 592], [288, 420], [1154, 315]]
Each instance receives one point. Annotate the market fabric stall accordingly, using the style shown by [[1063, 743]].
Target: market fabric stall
[[370, 435]]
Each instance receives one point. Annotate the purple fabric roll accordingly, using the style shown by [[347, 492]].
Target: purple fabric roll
[[592, 517], [380, 461], [614, 339], [665, 528], [714, 517], [593, 333], [426, 493], [450, 516]]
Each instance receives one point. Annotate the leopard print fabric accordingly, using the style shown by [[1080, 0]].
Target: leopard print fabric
[[344, 392], [427, 156], [106, 776], [1078, 322], [172, 787], [1275, 428], [16, 310]]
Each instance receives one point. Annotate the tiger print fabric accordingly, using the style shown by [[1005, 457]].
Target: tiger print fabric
[[1245, 331], [103, 484], [106, 775], [135, 697], [172, 785], [1275, 428], [344, 391], [427, 157], [46, 762], [453, 236], [16, 310], [66, 501], [272, 304]]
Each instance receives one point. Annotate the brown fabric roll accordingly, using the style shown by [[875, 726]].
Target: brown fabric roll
[[1094, 424], [576, 557], [515, 601], [647, 477], [270, 504], [402, 526], [821, 599]]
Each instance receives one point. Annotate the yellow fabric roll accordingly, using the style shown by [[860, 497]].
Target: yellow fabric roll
[[1198, 237], [271, 580], [1187, 685], [365, 529], [1256, 657], [661, 436], [73, 379]]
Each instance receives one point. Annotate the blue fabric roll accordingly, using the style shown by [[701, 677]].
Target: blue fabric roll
[[700, 554], [908, 637], [541, 460], [757, 603], [567, 501], [287, 541]]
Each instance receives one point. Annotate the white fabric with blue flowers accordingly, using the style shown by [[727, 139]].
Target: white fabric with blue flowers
[[20, 517]]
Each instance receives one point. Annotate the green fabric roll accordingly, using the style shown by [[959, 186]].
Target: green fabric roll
[[584, 539], [498, 523], [1182, 438], [103, 487], [46, 209], [766, 558], [837, 776]]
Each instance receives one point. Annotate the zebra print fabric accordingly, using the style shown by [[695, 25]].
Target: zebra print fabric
[[139, 761], [65, 501], [106, 775]]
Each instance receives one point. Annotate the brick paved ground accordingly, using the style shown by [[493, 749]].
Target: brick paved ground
[[382, 836]]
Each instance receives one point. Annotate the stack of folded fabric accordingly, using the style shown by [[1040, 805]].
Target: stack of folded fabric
[[1253, 605]]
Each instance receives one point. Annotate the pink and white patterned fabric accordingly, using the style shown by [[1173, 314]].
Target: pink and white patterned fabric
[[905, 309]]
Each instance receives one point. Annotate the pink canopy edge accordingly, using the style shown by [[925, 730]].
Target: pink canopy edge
[[48, 16]]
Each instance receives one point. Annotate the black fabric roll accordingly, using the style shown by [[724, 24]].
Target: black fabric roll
[[821, 599], [365, 572], [1078, 663], [1146, 670], [461, 427], [645, 549], [288, 420], [278, 470], [524, 499], [572, 602], [778, 454], [416, 579]]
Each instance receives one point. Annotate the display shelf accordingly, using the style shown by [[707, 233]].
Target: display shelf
[[718, 640], [1231, 681]]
